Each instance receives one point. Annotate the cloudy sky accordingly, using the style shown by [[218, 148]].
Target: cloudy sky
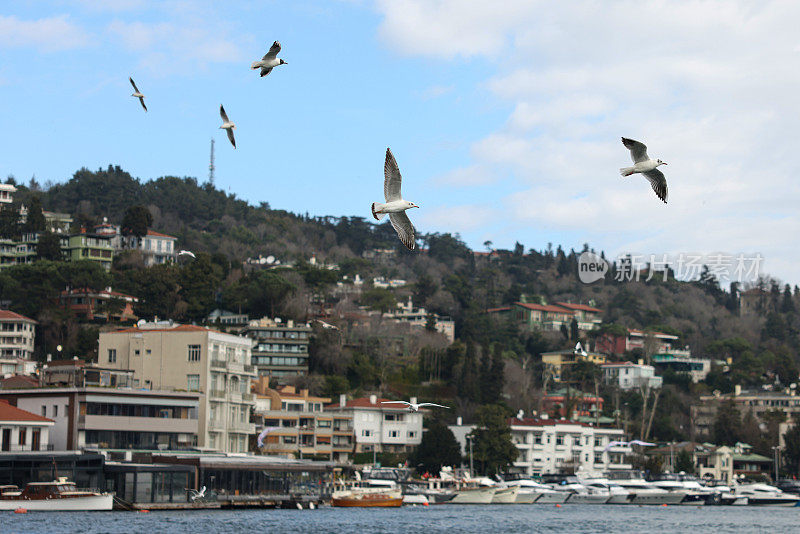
[[505, 117]]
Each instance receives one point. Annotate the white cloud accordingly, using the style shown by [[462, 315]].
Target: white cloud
[[709, 86], [464, 217], [165, 46], [52, 34]]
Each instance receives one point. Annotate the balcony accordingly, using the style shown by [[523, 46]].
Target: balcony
[[249, 368], [248, 397], [219, 364], [217, 393]]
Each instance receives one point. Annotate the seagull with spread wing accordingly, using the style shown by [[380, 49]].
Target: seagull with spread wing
[[395, 206], [187, 253], [644, 165], [138, 94], [412, 407], [227, 125], [626, 443], [270, 60]]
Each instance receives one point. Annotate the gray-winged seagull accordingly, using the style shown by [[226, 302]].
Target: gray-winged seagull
[[270, 60], [644, 165], [137, 93], [412, 407], [395, 206], [227, 125]]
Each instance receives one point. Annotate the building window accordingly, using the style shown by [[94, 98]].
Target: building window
[[366, 433], [394, 434], [112, 355], [559, 440], [193, 382], [22, 436], [412, 434], [44, 411], [55, 410], [537, 439], [194, 353]]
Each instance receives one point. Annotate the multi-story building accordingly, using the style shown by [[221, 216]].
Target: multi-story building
[[186, 357], [7, 193], [156, 248], [419, 317], [17, 334], [381, 427], [551, 446], [577, 402], [547, 317], [629, 375], [104, 305], [113, 418], [19, 251], [757, 402], [682, 361], [618, 344], [302, 426], [279, 349], [556, 362], [21, 430], [709, 460], [85, 246]]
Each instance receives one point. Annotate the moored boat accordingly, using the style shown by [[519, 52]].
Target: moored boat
[[476, 495], [765, 495], [367, 498], [505, 495], [56, 496]]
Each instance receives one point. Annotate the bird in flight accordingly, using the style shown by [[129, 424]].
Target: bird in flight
[[579, 350], [227, 125], [395, 206], [412, 407], [624, 443], [187, 253], [138, 94], [644, 165], [270, 60]]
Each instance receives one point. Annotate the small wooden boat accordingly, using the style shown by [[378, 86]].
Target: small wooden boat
[[367, 498]]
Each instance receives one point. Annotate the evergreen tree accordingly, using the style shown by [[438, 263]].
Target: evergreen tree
[[787, 306], [438, 448], [35, 221], [49, 247], [791, 451], [727, 423], [136, 221], [684, 463], [493, 449]]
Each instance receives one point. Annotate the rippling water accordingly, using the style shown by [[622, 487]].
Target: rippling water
[[450, 519]]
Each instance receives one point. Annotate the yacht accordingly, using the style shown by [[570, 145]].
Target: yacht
[[58, 495], [577, 492], [643, 492], [616, 493], [531, 491], [696, 493], [474, 495], [765, 495]]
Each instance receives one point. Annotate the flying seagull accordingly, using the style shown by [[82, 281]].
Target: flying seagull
[[197, 494], [137, 93], [187, 253], [579, 350], [395, 206], [264, 433], [415, 407], [270, 60], [624, 443], [649, 167], [227, 125]]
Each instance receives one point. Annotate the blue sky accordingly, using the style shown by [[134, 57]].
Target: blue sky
[[505, 118]]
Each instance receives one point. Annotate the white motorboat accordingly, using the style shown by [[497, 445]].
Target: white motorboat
[[539, 493], [474, 495], [765, 495], [643, 492], [505, 495], [56, 496], [616, 494]]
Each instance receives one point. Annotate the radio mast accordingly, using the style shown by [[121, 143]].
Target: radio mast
[[211, 165]]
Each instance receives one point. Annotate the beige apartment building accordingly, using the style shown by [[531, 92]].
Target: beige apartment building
[[167, 356]]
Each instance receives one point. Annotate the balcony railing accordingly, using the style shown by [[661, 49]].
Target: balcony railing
[[217, 393], [248, 396], [219, 364]]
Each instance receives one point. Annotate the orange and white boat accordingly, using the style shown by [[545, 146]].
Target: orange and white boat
[[367, 498]]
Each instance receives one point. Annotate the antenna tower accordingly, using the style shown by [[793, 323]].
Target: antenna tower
[[211, 165]]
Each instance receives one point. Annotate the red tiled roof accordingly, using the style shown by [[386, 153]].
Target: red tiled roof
[[157, 234], [641, 333], [544, 307], [18, 382], [364, 402], [502, 308], [12, 413], [583, 307], [8, 315]]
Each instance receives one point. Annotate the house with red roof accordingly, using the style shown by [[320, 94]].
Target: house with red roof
[[103, 305], [21, 430], [381, 427], [156, 248]]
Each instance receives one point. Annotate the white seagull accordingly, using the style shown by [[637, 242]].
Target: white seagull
[[624, 443], [198, 494], [270, 60], [644, 165], [137, 93], [579, 350], [187, 253], [395, 206], [227, 125], [415, 407]]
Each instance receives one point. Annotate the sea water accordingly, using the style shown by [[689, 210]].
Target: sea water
[[449, 519]]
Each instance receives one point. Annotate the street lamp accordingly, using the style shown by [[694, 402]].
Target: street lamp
[[469, 439], [776, 457]]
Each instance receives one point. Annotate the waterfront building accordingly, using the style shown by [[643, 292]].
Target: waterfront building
[[547, 445], [17, 335], [164, 355], [22, 430], [709, 460], [304, 428], [280, 349], [113, 418], [381, 427]]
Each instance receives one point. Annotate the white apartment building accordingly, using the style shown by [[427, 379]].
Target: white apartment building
[[553, 446], [628, 375], [156, 248], [381, 427], [192, 358], [418, 317], [17, 333]]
